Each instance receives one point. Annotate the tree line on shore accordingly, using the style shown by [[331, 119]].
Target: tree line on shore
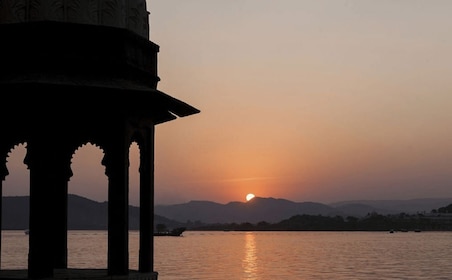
[[437, 220]]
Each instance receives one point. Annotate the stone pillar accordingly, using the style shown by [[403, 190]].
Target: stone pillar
[[3, 174], [61, 193], [1, 213], [146, 255], [40, 160], [116, 161], [63, 174]]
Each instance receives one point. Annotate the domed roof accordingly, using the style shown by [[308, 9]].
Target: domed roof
[[128, 14]]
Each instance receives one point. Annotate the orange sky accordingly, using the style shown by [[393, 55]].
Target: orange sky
[[306, 100]]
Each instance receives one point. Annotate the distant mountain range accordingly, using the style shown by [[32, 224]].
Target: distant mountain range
[[84, 213], [411, 206], [256, 210], [275, 209]]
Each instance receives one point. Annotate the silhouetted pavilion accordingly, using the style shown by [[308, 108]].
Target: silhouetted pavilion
[[75, 72]]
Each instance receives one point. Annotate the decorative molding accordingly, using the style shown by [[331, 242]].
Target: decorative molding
[[128, 14]]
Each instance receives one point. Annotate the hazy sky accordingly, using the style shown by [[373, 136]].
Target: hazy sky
[[304, 100]]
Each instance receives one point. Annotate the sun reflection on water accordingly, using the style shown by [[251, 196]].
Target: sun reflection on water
[[249, 262]]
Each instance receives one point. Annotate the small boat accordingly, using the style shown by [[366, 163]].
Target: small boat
[[174, 232]]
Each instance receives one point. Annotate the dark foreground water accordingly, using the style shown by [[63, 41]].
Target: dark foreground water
[[266, 255]]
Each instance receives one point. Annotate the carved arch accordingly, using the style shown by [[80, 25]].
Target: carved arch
[[141, 137], [88, 142], [5, 155]]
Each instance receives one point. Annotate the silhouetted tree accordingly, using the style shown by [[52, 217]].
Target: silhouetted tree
[[446, 209], [161, 228]]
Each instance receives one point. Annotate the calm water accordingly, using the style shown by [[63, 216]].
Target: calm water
[[266, 255]]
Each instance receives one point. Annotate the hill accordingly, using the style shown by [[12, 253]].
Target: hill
[[409, 206], [87, 214], [274, 210], [256, 210], [83, 214]]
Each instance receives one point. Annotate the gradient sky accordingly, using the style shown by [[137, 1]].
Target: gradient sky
[[304, 100]]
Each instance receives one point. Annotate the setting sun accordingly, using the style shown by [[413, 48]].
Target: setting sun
[[249, 196]]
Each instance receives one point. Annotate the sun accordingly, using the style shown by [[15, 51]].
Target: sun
[[249, 196]]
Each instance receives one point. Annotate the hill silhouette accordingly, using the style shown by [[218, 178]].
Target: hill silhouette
[[256, 210], [86, 214], [394, 206], [83, 214], [275, 209]]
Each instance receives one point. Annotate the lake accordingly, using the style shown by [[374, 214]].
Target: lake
[[265, 255]]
